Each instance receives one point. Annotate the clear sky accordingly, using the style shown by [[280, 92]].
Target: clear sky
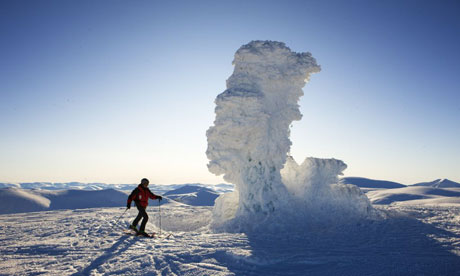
[[113, 91]]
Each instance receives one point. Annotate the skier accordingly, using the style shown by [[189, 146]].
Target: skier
[[141, 196]]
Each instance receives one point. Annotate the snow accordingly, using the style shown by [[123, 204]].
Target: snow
[[317, 197], [16, 200], [440, 183], [371, 183], [249, 140], [158, 188], [378, 184], [412, 240], [249, 144], [416, 195], [193, 195], [409, 238]]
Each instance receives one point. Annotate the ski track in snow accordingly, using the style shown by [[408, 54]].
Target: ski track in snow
[[412, 240]]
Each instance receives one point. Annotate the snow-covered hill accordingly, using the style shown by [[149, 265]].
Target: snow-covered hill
[[157, 188], [15, 200], [440, 183], [416, 195], [193, 195], [371, 183]]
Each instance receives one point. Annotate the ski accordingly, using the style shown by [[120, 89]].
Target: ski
[[153, 235], [149, 236], [129, 232], [165, 237], [137, 234]]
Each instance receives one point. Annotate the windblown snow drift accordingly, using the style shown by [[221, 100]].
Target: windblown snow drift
[[249, 144]]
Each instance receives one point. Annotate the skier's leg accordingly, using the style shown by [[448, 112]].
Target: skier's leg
[[139, 215], [144, 221]]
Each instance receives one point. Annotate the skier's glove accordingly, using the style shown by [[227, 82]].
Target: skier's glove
[[160, 198], [128, 206]]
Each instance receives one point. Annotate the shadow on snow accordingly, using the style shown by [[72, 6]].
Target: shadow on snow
[[116, 249], [394, 246]]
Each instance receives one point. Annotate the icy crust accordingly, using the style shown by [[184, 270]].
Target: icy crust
[[249, 141]]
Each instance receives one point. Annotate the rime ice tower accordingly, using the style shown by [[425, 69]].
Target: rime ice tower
[[249, 142]]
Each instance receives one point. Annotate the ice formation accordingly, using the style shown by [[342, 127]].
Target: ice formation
[[249, 144]]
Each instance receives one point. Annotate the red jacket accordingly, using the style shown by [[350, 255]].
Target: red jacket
[[141, 195]]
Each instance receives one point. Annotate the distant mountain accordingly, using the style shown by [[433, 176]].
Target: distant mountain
[[415, 195], [193, 195], [371, 183], [69, 186], [156, 188], [439, 183], [16, 200], [79, 199]]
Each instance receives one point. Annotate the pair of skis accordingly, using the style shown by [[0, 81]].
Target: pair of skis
[[153, 235], [132, 232]]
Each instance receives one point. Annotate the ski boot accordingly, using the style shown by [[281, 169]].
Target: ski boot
[[134, 228], [142, 233]]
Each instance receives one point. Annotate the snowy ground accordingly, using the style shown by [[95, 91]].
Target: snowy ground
[[412, 240]]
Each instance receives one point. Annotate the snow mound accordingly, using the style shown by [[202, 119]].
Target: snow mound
[[371, 183], [416, 195], [440, 183], [193, 195], [14, 200], [249, 143], [78, 199]]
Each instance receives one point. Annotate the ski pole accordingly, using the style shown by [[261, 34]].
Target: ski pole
[[159, 212], [121, 216], [118, 219]]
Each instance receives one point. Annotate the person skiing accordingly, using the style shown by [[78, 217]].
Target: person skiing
[[141, 196]]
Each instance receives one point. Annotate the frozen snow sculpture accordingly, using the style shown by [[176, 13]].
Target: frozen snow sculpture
[[250, 138], [249, 141]]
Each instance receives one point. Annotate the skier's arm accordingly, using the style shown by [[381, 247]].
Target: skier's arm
[[132, 196], [154, 196]]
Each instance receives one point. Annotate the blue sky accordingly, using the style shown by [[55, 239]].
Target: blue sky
[[113, 91]]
